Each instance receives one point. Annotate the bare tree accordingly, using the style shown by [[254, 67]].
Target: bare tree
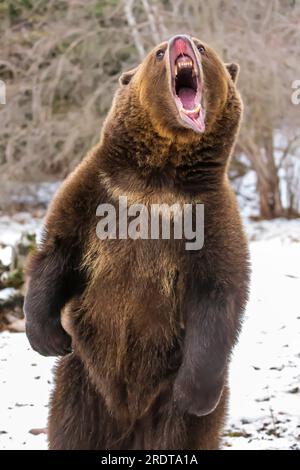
[[128, 8]]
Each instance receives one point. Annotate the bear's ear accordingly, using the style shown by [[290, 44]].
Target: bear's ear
[[234, 70], [127, 76]]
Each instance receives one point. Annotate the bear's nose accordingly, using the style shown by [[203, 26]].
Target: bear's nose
[[180, 44]]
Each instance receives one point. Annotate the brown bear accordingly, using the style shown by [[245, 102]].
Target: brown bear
[[152, 325]]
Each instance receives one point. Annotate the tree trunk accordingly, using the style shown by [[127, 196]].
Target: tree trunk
[[268, 181], [269, 195], [263, 163]]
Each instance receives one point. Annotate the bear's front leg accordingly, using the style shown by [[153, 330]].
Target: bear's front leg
[[212, 325], [54, 279]]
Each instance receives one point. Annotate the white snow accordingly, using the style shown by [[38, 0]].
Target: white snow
[[13, 227], [7, 293], [29, 194], [25, 379], [265, 372], [6, 256]]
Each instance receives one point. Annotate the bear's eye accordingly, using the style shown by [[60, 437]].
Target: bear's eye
[[201, 48], [160, 54]]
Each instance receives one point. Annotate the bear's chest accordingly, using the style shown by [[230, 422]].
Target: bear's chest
[[136, 285]]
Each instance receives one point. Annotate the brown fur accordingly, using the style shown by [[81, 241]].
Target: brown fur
[[152, 325]]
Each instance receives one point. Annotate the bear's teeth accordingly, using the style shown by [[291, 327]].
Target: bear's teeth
[[191, 111], [187, 64]]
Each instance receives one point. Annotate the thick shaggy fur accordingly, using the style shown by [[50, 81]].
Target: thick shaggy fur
[[152, 325]]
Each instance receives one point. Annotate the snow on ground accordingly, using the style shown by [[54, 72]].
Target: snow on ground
[[13, 227], [29, 195], [265, 372], [25, 383]]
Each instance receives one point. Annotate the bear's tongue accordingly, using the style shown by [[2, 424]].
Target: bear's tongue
[[187, 97], [191, 112]]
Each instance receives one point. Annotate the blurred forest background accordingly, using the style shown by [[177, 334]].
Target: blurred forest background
[[61, 61]]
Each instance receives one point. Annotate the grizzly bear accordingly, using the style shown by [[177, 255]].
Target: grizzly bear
[[151, 325]]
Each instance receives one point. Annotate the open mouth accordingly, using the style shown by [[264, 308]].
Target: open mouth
[[186, 84]]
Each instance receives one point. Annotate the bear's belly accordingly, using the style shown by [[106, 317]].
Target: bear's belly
[[134, 327], [132, 351], [128, 332]]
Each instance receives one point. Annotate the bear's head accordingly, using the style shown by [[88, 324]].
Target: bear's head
[[184, 88]]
